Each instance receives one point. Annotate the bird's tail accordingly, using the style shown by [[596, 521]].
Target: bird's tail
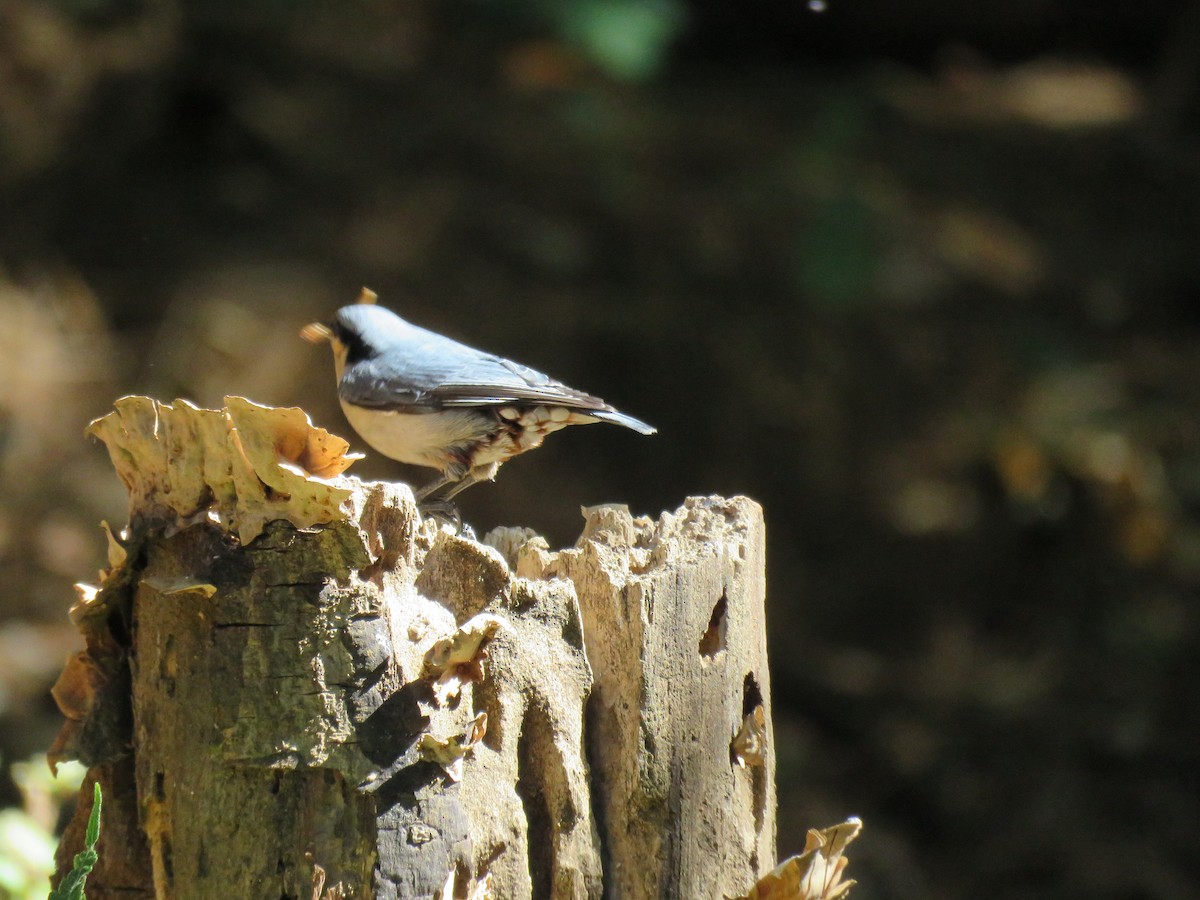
[[619, 418]]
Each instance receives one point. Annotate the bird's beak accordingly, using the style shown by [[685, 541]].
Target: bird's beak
[[316, 332]]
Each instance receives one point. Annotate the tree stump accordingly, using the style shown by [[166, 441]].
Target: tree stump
[[295, 687]]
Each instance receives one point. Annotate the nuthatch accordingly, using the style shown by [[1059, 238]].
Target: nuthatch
[[421, 398]]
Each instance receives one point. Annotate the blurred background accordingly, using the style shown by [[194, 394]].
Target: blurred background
[[921, 278]]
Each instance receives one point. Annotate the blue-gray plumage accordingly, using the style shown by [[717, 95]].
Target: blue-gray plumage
[[421, 398]]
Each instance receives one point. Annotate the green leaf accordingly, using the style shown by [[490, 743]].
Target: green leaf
[[93, 826], [628, 38], [71, 887]]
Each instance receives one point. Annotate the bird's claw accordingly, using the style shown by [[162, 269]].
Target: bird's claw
[[443, 510]]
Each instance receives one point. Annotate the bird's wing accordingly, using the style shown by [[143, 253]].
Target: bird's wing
[[445, 373], [436, 372], [504, 381]]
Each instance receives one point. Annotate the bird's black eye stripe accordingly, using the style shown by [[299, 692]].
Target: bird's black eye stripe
[[356, 347]]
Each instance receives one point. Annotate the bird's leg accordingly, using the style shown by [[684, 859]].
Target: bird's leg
[[449, 484], [454, 471], [425, 493], [476, 475], [441, 507]]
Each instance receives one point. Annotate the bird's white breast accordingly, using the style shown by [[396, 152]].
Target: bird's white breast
[[422, 439]]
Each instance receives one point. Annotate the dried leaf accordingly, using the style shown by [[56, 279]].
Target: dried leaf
[[84, 689], [481, 889], [63, 748], [448, 686], [476, 890], [816, 874], [449, 752], [458, 659], [749, 744], [464, 645], [116, 550], [77, 686]]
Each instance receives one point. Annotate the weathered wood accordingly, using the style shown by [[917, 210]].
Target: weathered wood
[[241, 662], [673, 612], [377, 707], [277, 717]]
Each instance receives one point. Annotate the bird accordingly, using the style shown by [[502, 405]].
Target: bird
[[419, 397]]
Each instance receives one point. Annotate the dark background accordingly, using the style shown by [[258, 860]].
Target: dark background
[[922, 278]]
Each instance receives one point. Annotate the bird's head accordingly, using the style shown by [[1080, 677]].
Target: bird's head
[[357, 332]]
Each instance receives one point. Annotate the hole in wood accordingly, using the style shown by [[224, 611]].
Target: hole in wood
[[752, 700], [751, 694], [167, 860], [600, 729], [118, 626], [168, 666], [533, 747], [713, 641]]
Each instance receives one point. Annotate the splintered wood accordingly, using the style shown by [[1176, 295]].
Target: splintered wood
[[342, 700], [673, 617]]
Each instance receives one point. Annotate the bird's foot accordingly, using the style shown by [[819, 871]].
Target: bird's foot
[[443, 511]]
